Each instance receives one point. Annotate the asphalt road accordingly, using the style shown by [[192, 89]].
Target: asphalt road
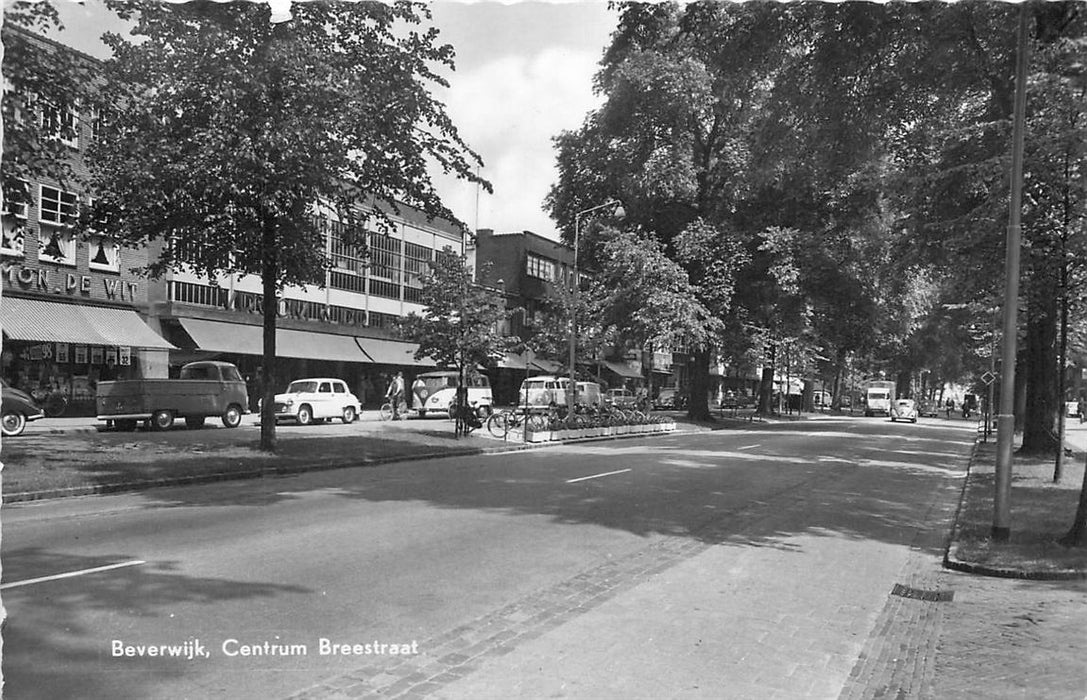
[[814, 519]]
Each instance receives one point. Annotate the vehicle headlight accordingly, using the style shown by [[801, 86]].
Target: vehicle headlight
[[289, 402], [434, 399]]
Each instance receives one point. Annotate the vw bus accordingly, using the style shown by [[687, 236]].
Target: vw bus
[[435, 392]]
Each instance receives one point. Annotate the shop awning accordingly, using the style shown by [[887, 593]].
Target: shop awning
[[55, 322], [392, 352], [622, 370], [243, 339]]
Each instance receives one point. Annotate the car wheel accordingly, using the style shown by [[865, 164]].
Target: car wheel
[[232, 416], [12, 423], [194, 422], [162, 420], [348, 415], [305, 415]]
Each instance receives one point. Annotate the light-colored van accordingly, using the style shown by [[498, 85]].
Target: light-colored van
[[435, 392], [542, 392], [589, 394]]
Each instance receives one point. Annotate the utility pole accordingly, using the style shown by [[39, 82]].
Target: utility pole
[[1001, 529]]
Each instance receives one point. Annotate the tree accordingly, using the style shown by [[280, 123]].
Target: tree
[[227, 133], [462, 324]]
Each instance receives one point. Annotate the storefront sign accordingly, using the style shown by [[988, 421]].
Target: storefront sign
[[297, 309], [67, 283], [124, 356]]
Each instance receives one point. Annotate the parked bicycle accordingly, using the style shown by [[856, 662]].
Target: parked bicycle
[[53, 401], [514, 421], [387, 412]]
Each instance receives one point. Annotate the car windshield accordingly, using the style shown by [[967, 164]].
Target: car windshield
[[304, 387]]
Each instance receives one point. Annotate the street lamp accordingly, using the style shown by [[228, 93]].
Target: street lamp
[[618, 212]]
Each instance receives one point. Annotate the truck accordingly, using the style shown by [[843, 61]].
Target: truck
[[203, 389], [878, 398]]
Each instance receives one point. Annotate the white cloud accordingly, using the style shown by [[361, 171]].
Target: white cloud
[[508, 110]]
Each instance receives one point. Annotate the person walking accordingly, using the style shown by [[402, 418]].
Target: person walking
[[949, 406], [395, 393]]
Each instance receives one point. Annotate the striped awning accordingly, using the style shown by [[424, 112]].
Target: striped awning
[[392, 352], [56, 322], [245, 339]]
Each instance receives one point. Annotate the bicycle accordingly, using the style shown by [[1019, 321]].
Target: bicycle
[[53, 402], [513, 421], [386, 410]]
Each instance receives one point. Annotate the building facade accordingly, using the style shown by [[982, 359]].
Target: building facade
[[72, 311], [344, 328], [529, 268]]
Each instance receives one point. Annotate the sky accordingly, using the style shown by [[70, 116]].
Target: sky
[[524, 73]]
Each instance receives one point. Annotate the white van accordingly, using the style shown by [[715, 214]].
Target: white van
[[540, 393], [435, 392]]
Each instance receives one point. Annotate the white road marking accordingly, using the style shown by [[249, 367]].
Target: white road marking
[[748, 447], [70, 574], [596, 476]]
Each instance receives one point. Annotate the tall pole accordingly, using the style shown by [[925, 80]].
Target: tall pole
[[576, 299], [1005, 434]]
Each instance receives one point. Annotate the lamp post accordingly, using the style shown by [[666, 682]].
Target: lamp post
[[576, 299]]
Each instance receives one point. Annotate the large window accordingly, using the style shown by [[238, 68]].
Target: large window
[[385, 257], [416, 264], [56, 212], [14, 220], [540, 267], [60, 122], [58, 207]]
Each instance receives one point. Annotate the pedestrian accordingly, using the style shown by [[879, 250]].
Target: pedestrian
[[1081, 409], [949, 406], [395, 393], [418, 394]]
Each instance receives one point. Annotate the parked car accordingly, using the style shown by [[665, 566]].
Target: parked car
[[927, 409], [441, 393], [622, 398], [19, 408], [666, 399], [904, 409], [542, 392], [203, 389], [318, 399]]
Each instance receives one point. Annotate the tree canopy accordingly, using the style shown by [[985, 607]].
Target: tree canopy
[[225, 136]]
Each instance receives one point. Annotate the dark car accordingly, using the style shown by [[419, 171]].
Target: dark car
[[18, 408]]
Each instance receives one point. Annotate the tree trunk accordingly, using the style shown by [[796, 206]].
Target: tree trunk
[[270, 309], [698, 408], [1040, 416], [766, 385], [1077, 536]]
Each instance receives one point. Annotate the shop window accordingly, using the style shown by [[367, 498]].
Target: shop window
[[14, 237]]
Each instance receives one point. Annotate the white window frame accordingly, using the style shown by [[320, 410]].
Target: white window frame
[[66, 211]]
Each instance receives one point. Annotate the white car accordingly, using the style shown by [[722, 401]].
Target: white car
[[309, 400]]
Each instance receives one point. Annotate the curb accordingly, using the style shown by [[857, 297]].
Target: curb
[[287, 469], [993, 571]]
